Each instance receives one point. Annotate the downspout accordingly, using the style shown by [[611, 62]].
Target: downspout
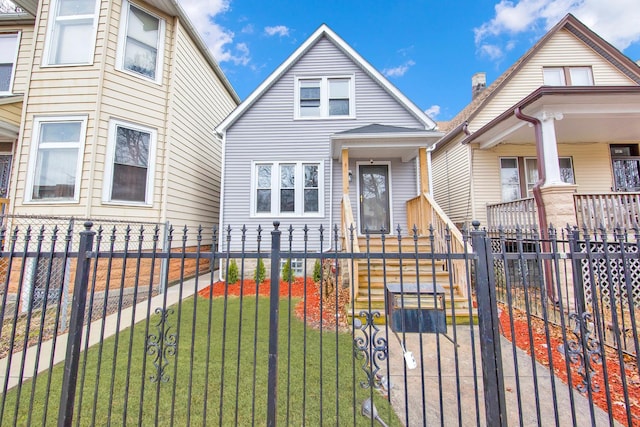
[[537, 195]]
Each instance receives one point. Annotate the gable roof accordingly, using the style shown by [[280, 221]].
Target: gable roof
[[173, 8], [325, 31], [580, 31]]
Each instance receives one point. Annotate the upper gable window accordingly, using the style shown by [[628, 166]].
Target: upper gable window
[[71, 32], [568, 76], [325, 97], [140, 48], [8, 54]]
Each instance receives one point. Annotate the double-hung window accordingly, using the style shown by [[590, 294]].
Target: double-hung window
[[324, 97], [518, 175], [287, 188], [567, 76], [8, 58], [130, 167], [71, 35], [56, 159], [140, 47]]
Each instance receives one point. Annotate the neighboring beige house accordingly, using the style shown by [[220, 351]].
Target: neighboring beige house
[[108, 110], [554, 140]]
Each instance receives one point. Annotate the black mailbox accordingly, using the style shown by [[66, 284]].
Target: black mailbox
[[405, 314]]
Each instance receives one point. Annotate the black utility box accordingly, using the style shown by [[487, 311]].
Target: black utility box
[[406, 315]]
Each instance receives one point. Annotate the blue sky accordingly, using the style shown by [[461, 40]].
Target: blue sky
[[429, 49]]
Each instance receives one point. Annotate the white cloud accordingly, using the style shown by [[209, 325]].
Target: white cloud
[[491, 51], [614, 20], [278, 30], [433, 111], [217, 38], [398, 71], [247, 29]]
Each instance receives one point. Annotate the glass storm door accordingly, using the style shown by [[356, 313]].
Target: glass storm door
[[375, 213]]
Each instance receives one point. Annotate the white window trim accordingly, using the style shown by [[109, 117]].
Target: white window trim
[[324, 97], [122, 40], [500, 177], [110, 157], [299, 189], [17, 35], [33, 157], [566, 73], [53, 6], [526, 176]]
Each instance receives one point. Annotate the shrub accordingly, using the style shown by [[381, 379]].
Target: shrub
[[260, 273], [287, 272], [232, 272], [317, 271]]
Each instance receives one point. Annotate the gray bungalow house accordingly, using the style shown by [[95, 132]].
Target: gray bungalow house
[[326, 139]]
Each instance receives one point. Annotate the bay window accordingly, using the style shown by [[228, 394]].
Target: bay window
[[140, 45], [56, 159], [129, 169], [71, 35]]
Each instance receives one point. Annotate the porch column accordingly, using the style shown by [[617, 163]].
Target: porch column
[[345, 171], [559, 204], [424, 173], [550, 147]]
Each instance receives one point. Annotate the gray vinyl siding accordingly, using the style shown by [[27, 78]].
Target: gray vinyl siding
[[452, 180], [267, 131]]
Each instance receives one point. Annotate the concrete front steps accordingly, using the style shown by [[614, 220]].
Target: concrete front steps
[[374, 274]]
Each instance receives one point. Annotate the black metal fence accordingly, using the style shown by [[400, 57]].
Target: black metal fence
[[295, 337]]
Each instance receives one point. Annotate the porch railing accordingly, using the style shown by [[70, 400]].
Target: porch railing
[[350, 242], [609, 210], [424, 212], [508, 215]]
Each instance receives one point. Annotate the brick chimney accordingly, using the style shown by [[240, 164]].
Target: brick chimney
[[478, 84]]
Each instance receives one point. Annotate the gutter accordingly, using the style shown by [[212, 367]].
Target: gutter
[[537, 194]]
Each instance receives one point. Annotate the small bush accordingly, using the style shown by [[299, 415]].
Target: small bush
[[260, 273], [317, 271], [287, 272], [232, 272]]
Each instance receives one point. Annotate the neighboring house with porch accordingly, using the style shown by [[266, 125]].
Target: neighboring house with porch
[[327, 140], [108, 110], [553, 141]]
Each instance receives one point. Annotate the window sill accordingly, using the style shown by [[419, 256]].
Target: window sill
[[51, 202], [125, 203], [139, 76], [289, 216], [324, 118]]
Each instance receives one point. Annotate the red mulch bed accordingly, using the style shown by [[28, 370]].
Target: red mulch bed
[[312, 314], [619, 411]]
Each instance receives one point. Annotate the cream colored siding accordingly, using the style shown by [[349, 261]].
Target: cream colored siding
[[199, 103], [11, 113], [591, 165], [452, 180], [563, 49]]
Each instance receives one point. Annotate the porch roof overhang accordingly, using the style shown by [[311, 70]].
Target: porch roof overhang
[[381, 141], [608, 114]]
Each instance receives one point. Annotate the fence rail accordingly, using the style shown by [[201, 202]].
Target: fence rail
[[510, 215], [252, 350]]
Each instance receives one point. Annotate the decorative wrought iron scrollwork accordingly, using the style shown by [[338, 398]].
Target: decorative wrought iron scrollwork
[[584, 346], [371, 349], [161, 345]]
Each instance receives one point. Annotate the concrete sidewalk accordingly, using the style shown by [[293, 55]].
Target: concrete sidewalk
[[466, 405]]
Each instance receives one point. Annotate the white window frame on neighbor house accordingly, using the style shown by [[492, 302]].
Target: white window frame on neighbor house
[[567, 76], [275, 189], [9, 56], [107, 188], [324, 84], [123, 40], [37, 145], [527, 173], [56, 23]]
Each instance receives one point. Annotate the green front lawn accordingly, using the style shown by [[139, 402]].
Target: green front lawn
[[320, 392]]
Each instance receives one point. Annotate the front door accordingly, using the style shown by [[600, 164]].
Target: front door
[[375, 212]]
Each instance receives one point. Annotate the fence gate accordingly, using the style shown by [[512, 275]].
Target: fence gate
[[284, 326]]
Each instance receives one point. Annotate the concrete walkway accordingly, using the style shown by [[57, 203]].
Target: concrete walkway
[[46, 347], [467, 403]]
